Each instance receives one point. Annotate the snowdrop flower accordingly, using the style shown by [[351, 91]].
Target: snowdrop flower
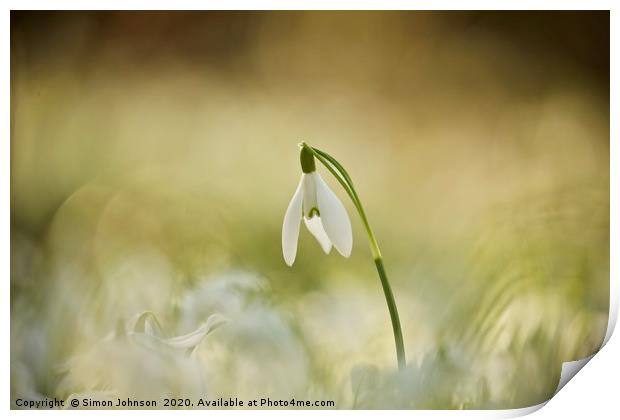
[[322, 212], [326, 218]]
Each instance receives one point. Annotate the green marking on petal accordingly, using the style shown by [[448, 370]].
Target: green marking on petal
[[313, 212]]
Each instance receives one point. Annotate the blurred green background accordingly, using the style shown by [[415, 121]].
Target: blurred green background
[[153, 155]]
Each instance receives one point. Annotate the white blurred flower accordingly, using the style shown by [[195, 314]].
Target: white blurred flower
[[260, 347], [138, 359], [323, 214]]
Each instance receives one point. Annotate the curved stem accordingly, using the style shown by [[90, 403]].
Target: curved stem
[[345, 180], [391, 302]]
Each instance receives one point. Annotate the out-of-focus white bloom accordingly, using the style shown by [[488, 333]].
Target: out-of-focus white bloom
[[323, 214], [259, 348], [139, 360], [147, 331]]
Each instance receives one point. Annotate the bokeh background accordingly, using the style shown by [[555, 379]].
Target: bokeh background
[[153, 155]]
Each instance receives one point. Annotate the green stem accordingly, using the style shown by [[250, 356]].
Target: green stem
[[347, 183], [389, 297]]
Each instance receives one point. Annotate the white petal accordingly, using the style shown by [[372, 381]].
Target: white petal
[[334, 217], [194, 338], [309, 194], [290, 226], [315, 227]]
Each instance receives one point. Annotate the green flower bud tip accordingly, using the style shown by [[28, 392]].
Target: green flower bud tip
[[307, 159]]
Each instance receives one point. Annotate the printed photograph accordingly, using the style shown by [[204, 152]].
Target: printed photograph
[[309, 210]]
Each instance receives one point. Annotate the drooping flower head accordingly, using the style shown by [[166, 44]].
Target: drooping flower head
[[322, 211]]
